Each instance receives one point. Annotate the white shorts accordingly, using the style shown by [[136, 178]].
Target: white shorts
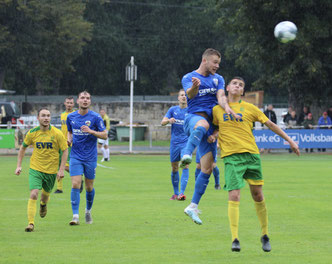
[[103, 142]]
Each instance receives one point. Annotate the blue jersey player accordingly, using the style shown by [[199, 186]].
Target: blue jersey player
[[84, 127], [175, 116], [204, 89]]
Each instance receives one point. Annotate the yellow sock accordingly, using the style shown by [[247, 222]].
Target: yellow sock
[[59, 184], [233, 216], [44, 193], [32, 211], [262, 216]]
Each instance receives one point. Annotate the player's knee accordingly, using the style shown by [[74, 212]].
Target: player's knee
[[258, 196], [34, 194]]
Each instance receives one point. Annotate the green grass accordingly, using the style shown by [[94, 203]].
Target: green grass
[[145, 143], [135, 222]]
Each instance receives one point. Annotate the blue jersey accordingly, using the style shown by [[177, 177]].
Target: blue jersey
[[84, 146], [178, 136], [206, 98]]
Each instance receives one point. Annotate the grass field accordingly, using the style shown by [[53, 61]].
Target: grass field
[[135, 222]]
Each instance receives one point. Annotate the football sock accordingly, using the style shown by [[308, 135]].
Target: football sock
[[200, 186], [194, 139], [175, 182], [32, 208], [89, 199], [197, 172], [262, 216], [184, 180], [45, 195], [59, 184], [103, 151], [75, 200], [233, 216], [216, 175], [107, 153]]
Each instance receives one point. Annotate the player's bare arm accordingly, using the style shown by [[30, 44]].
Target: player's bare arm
[[282, 134], [61, 171], [69, 138], [19, 160], [193, 90], [223, 102], [101, 134], [166, 121]]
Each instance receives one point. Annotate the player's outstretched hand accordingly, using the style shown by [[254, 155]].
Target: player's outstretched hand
[[229, 111], [295, 148], [196, 82], [18, 170]]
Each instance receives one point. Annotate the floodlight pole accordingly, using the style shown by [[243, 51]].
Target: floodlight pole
[[131, 104]]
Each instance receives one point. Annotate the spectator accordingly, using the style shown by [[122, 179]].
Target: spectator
[[303, 114], [308, 123], [324, 122], [290, 109], [329, 112], [271, 114], [291, 121]]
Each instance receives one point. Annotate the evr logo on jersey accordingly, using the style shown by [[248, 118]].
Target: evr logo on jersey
[[43, 145]]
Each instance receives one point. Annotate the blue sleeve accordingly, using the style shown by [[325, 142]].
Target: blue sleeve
[[186, 82], [69, 128], [169, 113], [221, 83], [100, 123]]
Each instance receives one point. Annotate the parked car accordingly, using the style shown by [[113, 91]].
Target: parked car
[[9, 113]]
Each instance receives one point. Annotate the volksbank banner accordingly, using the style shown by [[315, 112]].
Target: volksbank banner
[[305, 138]]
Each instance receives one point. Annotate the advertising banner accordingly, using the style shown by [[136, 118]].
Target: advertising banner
[[7, 138], [305, 138]]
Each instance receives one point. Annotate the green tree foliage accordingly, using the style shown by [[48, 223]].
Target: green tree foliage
[[45, 38], [300, 70]]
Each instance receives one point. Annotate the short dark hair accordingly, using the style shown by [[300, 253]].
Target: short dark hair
[[181, 90], [42, 108], [69, 98], [237, 78], [85, 91], [208, 52]]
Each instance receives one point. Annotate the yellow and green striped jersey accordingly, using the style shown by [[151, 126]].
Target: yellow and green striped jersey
[[64, 123], [235, 136], [46, 146]]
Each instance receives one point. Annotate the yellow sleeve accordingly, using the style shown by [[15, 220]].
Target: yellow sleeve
[[27, 140], [261, 117], [215, 116], [62, 141], [107, 121]]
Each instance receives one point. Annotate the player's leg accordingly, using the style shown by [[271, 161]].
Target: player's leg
[[48, 184], [255, 179], [216, 174], [89, 174], [235, 168], [76, 172], [202, 180], [35, 184], [184, 176], [100, 147], [198, 165], [107, 150], [196, 126], [175, 178]]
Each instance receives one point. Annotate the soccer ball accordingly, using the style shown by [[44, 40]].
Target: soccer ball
[[285, 31]]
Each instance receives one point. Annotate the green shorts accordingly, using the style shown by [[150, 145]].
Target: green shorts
[[39, 180], [68, 159], [240, 167]]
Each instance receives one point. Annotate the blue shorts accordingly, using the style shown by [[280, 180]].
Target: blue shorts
[[175, 152], [198, 156], [204, 147], [78, 167]]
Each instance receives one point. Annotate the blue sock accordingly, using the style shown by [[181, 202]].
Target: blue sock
[[75, 200], [200, 187], [89, 198], [194, 139], [197, 172], [216, 175], [184, 180], [175, 182]]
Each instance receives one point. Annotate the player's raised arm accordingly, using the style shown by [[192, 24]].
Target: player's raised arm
[[222, 101], [282, 134], [19, 160], [167, 120], [193, 90]]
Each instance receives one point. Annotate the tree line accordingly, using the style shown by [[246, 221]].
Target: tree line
[[65, 46]]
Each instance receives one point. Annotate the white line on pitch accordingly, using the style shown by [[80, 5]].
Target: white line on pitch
[[103, 166]]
